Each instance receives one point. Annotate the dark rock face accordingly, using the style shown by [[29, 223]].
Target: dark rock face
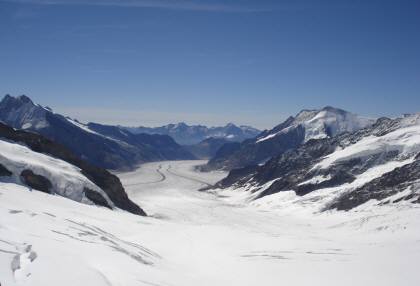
[[96, 198], [36, 182], [294, 170], [238, 176], [380, 188], [4, 172], [289, 169], [108, 182]]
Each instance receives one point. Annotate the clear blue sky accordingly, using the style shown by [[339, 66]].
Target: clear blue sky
[[150, 62]]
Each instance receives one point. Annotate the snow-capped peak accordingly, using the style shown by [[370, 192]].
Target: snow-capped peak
[[321, 123], [22, 112]]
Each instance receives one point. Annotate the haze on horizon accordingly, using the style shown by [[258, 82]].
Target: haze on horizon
[[136, 62]]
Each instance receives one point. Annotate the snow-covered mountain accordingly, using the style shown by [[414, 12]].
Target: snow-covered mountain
[[105, 146], [379, 164], [306, 125], [192, 134], [31, 160]]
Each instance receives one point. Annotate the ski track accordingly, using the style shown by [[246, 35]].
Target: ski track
[[198, 238], [186, 177]]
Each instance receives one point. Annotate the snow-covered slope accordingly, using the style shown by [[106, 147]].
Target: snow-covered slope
[[380, 163], [66, 179], [195, 238], [307, 124], [323, 123], [32, 160]]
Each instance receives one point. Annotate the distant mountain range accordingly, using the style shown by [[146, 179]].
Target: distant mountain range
[[110, 147], [192, 134], [379, 163], [293, 132]]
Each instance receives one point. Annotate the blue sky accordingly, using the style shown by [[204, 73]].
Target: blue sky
[[151, 62]]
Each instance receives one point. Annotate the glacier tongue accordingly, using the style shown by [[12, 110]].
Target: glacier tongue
[[197, 238]]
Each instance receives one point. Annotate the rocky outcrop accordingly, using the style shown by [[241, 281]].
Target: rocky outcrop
[[404, 178], [35, 181], [290, 134], [351, 163], [96, 198]]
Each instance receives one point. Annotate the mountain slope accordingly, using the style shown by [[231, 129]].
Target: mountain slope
[[193, 134], [380, 162], [306, 125], [105, 150], [32, 160], [207, 148], [158, 147]]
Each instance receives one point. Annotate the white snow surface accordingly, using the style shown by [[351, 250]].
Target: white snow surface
[[405, 140], [315, 123], [199, 238], [66, 179]]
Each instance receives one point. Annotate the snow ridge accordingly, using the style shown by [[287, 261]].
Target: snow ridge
[[326, 122]]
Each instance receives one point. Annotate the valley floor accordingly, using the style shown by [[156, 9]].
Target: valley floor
[[199, 238]]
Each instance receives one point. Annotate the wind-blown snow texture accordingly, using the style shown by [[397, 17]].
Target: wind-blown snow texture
[[306, 125], [197, 238]]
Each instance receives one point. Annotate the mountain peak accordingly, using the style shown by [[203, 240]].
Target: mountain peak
[[20, 100], [20, 112], [24, 98], [181, 124]]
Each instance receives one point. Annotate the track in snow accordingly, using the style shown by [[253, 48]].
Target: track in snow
[[161, 179], [169, 170]]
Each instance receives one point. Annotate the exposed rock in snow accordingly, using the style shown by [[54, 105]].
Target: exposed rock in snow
[[323, 123], [34, 161], [344, 171], [306, 125]]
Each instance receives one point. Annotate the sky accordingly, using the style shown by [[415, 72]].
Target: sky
[[153, 62]]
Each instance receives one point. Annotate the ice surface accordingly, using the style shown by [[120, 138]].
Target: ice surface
[[197, 238]]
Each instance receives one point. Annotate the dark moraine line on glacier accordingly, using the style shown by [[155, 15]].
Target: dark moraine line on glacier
[[161, 179], [186, 177]]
